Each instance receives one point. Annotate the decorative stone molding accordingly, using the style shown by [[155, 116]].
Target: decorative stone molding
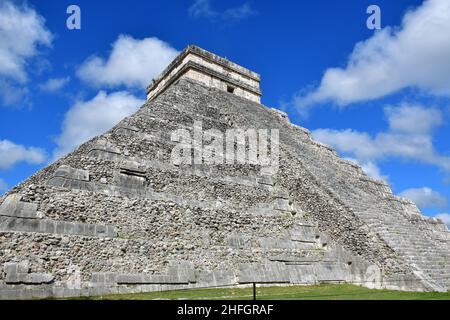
[[14, 207], [211, 70]]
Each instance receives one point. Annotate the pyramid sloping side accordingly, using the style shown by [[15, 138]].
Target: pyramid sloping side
[[117, 215]]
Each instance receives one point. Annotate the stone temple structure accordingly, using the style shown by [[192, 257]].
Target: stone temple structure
[[117, 215]]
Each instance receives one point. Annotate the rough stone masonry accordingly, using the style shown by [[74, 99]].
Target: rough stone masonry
[[117, 216]]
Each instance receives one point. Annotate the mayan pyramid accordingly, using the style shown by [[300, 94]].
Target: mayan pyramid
[[117, 215]]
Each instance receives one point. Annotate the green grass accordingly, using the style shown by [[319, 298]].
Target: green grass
[[318, 292]]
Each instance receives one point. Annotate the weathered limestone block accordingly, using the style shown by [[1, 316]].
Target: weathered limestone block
[[239, 241], [280, 194], [16, 267], [126, 130], [182, 270], [150, 279], [18, 273], [13, 207], [128, 181], [131, 175], [284, 244], [293, 260], [295, 270], [56, 227], [326, 271], [304, 234], [246, 181], [219, 277], [103, 149], [302, 274], [32, 278], [104, 279], [266, 180], [263, 273], [70, 183], [124, 190], [105, 154], [68, 177], [282, 205], [72, 173]]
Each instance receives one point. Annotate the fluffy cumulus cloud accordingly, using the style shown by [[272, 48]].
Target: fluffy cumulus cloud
[[409, 137], [132, 63], [425, 197], [22, 33], [445, 217], [12, 153], [204, 9], [11, 93], [54, 84], [415, 55], [86, 119]]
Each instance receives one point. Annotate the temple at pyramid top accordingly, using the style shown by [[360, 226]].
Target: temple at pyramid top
[[210, 69]]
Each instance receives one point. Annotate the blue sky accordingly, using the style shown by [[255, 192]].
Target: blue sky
[[381, 98]]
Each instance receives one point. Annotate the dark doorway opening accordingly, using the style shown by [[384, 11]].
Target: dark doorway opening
[[230, 89]]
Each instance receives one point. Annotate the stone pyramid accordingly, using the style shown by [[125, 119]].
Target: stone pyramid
[[119, 216]]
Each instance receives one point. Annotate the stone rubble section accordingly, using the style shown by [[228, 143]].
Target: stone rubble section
[[121, 213]]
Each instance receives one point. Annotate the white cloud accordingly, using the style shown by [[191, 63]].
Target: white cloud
[[22, 30], [86, 119], [11, 153], [3, 186], [413, 119], [409, 137], [203, 9], [22, 33], [131, 63], [425, 198], [10, 93], [238, 13], [54, 84], [358, 144], [414, 55], [445, 217]]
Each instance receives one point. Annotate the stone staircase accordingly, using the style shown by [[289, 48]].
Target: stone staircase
[[421, 242], [413, 244]]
